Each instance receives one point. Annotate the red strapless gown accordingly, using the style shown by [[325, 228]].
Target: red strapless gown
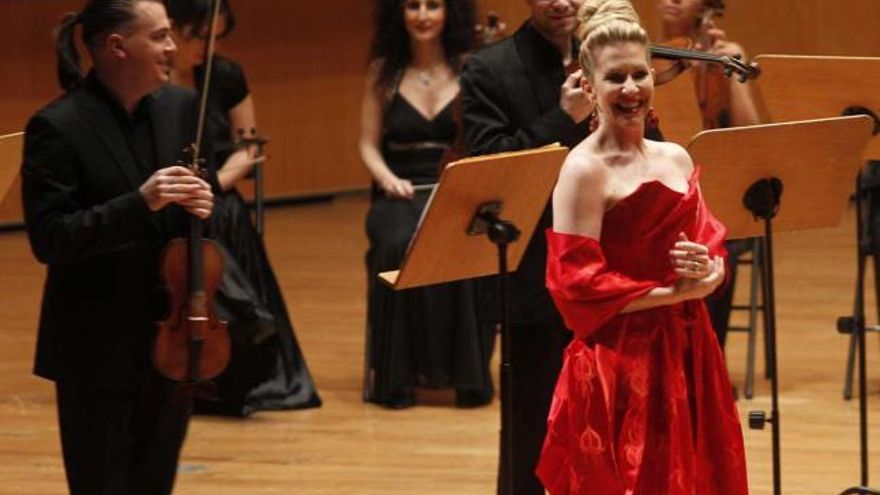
[[643, 405]]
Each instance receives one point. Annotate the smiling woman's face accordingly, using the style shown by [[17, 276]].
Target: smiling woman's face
[[424, 19], [622, 83]]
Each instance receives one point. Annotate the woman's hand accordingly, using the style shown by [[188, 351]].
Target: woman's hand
[[720, 45], [686, 289], [396, 187], [690, 259]]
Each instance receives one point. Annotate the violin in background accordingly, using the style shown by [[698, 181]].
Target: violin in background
[[493, 30]]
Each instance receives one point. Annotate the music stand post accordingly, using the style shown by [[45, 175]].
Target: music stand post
[[747, 171], [465, 209], [855, 326], [763, 200], [501, 233]]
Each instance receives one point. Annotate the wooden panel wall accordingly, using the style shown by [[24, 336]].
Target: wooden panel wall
[[305, 62]]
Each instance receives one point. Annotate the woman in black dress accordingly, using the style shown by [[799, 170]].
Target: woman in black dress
[[428, 337], [267, 370]]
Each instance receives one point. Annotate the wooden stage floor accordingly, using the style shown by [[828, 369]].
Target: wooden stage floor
[[348, 447]]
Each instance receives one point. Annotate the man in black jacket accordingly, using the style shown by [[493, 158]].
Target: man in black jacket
[[98, 209], [516, 95]]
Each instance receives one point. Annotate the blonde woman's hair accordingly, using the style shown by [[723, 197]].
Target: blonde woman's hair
[[603, 22]]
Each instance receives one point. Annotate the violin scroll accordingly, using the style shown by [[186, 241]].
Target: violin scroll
[[493, 30]]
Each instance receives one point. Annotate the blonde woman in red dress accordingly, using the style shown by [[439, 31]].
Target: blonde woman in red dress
[[642, 405]]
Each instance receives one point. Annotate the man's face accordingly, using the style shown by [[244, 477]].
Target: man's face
[[146, 47], [555, 18]]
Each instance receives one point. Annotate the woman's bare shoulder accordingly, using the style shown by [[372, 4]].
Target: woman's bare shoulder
[[674, 154], [582, 164]]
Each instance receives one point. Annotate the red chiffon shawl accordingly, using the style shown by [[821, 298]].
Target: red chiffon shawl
[[643, 404]]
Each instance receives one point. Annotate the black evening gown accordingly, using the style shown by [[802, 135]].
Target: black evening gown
[[267, 370], [425, 337]]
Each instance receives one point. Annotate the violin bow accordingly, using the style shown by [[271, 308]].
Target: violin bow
[[206, 82]]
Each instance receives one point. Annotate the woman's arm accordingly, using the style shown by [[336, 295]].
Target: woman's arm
[[743, 110], [370, 137], [240, 162]]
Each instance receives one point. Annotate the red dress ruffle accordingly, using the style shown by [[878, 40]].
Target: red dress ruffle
[[643, 403]]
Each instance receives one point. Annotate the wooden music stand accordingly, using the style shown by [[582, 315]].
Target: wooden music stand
[[812, 87], [10, 161], [496, 196], [521, 181], [835, 86], [749, 171]]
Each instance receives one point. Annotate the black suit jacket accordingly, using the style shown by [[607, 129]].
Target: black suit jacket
[[510, 101], [87, 221]]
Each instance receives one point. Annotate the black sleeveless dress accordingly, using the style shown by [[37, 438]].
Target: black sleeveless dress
[[267, 370], [425, 337]]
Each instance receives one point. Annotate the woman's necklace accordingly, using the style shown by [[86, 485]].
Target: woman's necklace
[[429, 75], [425, 77]]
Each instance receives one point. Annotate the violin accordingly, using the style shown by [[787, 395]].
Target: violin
[[192, 344], [681, 56]]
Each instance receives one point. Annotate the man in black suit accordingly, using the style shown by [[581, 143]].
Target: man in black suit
[[516, 95], [98, 209]]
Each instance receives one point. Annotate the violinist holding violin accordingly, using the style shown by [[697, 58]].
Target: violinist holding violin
[[100, 201], [725, 102]]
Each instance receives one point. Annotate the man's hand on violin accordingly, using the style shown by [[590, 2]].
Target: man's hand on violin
[[179, 185]]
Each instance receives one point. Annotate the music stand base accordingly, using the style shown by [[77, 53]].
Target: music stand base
[[860, 490]]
